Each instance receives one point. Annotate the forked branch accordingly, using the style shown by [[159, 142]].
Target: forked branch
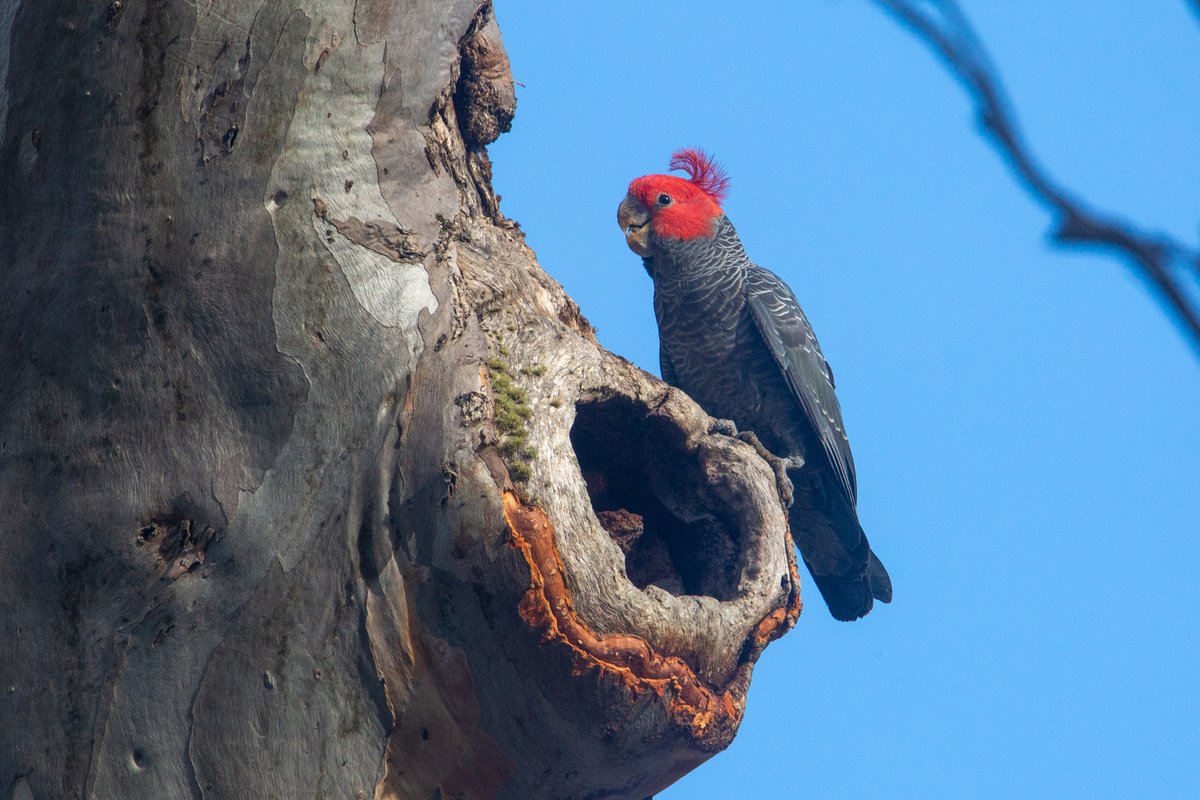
[[1171, 267]]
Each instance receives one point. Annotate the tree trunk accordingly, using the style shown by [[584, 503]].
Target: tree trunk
[[304, 461]]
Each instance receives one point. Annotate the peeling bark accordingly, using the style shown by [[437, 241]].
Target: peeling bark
[[305, 458]]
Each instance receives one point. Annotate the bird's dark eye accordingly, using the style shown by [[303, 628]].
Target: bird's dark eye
[[664, 200]]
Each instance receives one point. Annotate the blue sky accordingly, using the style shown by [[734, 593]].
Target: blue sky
[[1025, 420]]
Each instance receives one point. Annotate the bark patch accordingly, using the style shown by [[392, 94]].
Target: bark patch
[[484, 98], [180, 544], [377, 235], [708, 715], [380, 236]]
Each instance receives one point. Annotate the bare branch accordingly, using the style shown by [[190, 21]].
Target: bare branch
[[1170, 266]]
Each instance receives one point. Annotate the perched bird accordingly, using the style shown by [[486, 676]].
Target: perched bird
[[733, 337]]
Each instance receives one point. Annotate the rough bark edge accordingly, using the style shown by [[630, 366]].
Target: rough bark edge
[[709, 714]]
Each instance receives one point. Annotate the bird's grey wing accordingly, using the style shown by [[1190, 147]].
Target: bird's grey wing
[[792, 342]]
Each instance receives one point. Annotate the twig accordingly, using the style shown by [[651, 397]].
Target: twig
[[1167, 264]]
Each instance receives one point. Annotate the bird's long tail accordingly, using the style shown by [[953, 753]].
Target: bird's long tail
[[848, 574], [852, 597]]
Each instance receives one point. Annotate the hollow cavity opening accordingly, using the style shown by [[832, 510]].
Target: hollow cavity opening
[[652, 499]]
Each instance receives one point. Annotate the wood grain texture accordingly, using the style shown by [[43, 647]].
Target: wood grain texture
[[301, 451]]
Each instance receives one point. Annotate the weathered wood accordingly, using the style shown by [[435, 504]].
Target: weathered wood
[[301, 453]]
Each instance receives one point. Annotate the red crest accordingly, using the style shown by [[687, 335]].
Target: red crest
[[704, 173]]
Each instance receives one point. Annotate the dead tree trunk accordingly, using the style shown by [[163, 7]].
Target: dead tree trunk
[[303, 459]]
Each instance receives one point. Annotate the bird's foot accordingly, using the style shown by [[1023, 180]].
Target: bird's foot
[[725, 427], [780, 466]]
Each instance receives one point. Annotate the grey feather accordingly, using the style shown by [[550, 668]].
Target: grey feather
[[733, 336]]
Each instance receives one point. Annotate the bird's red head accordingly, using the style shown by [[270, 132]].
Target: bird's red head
[[672, 207]]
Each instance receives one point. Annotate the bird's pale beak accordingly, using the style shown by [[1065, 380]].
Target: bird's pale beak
[[635, 223]]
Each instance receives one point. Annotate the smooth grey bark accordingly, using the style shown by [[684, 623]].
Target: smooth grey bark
[[302, 456]]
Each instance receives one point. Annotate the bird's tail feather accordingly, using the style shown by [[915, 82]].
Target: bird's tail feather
[[836, 551], [881, 582], [848, 598], [851, 597]]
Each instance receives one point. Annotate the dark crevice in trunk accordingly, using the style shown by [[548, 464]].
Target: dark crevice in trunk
[[648, 494]]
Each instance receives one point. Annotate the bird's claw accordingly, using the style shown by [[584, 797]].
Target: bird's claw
[[725, 427], [779, 466]]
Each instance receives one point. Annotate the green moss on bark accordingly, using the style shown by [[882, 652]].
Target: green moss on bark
[[512, 415]]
